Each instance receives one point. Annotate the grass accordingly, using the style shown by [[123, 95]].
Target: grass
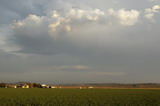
[[79, 97]]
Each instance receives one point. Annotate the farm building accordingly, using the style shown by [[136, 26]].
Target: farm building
[[53, 87], [25, 86], [90, 87], [45, 86], [12, 86]]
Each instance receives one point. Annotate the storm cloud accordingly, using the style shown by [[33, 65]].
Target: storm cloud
[[79, 41]]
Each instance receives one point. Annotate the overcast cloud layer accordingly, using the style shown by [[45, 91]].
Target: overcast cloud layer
[[82, 41]]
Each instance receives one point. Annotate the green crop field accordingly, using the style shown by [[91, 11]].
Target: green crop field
[[79, 97]]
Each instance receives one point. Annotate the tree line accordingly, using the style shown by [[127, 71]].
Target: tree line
[[31, 85]]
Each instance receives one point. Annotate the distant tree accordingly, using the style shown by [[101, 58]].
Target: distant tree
[[30, 85], [3, 85], [39, 86], [35, 85], [134, 85]]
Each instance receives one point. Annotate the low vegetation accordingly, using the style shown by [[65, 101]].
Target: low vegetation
[[79, 97]]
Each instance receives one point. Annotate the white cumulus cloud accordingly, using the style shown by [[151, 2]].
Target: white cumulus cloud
[[150, 12], [66, 21], [44, 34], [125, 17]]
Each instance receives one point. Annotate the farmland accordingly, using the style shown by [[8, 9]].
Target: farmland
[[79, 97]]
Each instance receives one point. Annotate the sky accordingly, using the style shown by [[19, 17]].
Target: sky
[[80, 41]]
